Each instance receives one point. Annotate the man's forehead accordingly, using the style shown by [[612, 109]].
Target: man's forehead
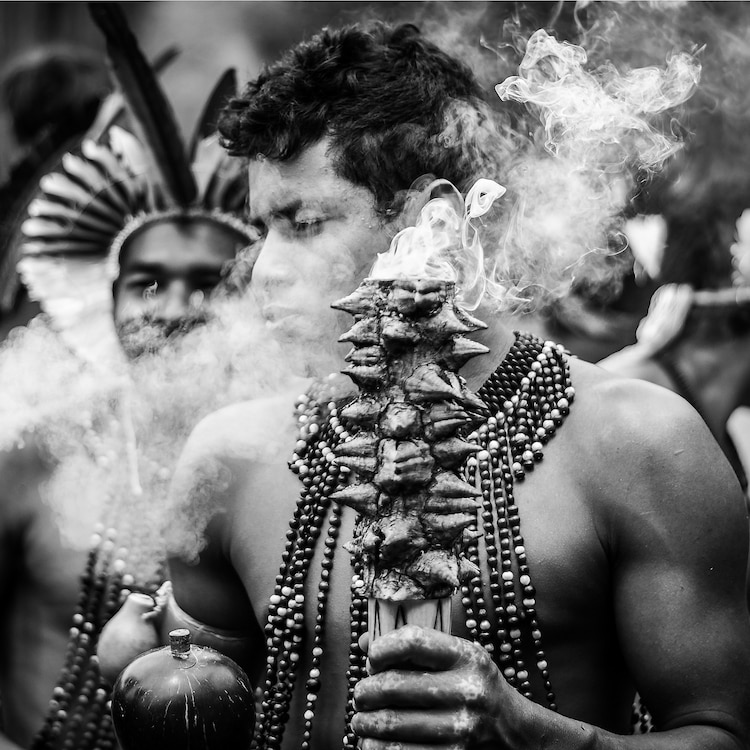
[[309, 177]]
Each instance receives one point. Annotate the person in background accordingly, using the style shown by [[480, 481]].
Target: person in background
[[688, 231], [49, 97], [125, 254]]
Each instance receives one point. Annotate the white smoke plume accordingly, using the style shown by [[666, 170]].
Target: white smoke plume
[[114, 439], [579, 137]]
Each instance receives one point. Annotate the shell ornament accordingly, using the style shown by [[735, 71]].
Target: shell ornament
[[407, 446]]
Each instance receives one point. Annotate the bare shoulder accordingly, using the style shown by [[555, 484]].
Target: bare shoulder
[[248, 429], [645, 445]]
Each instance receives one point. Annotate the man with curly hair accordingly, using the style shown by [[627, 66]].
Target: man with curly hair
[[611, 577]]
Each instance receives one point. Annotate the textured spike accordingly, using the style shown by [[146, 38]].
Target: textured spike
[[362, 497], [368, 377], [362, 444], [449, 410], [444, 325], [460, 350], [363, 332], [400, 420], [469, 320], [426, 384], [363, 466], [447, 525], [473, 403], [466, 569], [468, 535], [447, 484], [365, 356], [371, 539], [359, 302], [362, 411], [453, 452], [451, 505], [436, 567], [444, 429]]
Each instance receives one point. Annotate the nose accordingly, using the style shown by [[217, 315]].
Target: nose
[[274, 265], [174, 301]]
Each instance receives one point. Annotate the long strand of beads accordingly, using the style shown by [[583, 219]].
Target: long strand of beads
[[312, 461], [312, 686], [356, 669], [530, 394]]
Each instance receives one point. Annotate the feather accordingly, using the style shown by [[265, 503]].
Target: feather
[[113, 110], [152, 114], [223, 91]]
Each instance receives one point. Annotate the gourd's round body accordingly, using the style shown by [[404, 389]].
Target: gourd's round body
[[192, 699]]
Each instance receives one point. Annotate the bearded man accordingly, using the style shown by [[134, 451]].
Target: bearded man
[[124, 252]]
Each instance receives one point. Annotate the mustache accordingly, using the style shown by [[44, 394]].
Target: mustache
[[147, 334]]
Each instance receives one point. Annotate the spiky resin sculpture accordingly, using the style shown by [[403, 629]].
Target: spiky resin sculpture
[[407, 446]]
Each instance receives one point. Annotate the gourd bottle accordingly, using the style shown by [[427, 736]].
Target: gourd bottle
[[183, 697]]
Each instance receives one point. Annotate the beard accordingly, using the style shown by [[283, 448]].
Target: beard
[[147, 335]]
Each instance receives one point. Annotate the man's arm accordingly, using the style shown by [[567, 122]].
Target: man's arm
[[210, 487], [21, 471]]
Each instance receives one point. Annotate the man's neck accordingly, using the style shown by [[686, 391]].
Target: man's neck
[[498, 338]]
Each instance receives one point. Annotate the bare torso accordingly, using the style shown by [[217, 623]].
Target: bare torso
[[40, 583], [591, 498]]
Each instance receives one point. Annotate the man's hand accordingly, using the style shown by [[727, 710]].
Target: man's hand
[[427, 689]]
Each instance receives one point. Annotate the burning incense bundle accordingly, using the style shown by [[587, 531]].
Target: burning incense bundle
[[408, 426]]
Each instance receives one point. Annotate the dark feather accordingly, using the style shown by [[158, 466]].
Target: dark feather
[[152, 114], [114, 111], [223, 91], [23, 184]]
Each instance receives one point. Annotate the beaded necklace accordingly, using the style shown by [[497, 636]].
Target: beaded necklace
[[121, 559], [529, 396], [79, 716]]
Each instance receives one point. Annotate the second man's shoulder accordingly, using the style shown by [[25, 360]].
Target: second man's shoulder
[[247, 430]]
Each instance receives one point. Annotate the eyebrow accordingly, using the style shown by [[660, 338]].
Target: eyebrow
[[147, 267], [285, 209]]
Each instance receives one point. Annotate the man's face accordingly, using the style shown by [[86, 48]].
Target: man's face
[[167, 272], [320, 235]]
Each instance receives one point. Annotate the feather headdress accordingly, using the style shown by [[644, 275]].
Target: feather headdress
[[120, 182]]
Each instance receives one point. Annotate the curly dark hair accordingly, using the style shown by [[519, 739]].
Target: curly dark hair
[[394, 105]]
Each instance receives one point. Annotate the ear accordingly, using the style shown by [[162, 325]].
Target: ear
[[424, 190]]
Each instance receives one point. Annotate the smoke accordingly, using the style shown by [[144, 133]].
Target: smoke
[[113, 439], [444, 243], [575, 142], [705, 188], [593, 144]]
